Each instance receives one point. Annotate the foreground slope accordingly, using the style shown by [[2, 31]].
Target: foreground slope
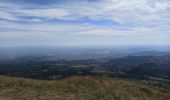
[[78, 88]]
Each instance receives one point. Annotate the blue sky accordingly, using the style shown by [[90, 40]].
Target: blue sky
[[84, 22]]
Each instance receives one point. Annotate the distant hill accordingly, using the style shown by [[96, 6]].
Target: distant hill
[[135, 67], [142, 66], [78, 88], [153, 53], [52, 53]]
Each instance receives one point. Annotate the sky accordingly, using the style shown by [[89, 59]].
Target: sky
[[84, 22]]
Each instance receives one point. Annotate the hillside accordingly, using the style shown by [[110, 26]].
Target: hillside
[[134, 67], [78, 88]]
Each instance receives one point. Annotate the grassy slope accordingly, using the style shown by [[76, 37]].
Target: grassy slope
[[78, 88]]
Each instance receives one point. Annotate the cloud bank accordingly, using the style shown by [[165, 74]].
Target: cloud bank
[[84, 22]]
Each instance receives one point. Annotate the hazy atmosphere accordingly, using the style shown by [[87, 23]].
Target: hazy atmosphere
[[84, 22], [84, 49]]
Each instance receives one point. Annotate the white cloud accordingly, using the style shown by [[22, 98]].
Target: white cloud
[[125, 12], [161, 6], [136, 19], [48, 13], [116, 10], [4, 15]]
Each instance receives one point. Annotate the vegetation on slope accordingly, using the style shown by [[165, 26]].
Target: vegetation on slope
[[78, 88], [134, 67]]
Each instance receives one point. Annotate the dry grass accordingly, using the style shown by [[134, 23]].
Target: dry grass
[[78, 88]]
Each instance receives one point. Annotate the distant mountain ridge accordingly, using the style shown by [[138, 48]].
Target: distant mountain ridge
[[155, 53]]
